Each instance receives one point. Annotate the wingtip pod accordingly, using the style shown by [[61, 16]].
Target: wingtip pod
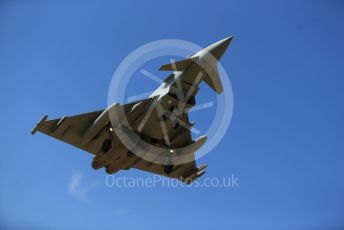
[[194, 176], [201, 167], [199, 174], [43, 119]]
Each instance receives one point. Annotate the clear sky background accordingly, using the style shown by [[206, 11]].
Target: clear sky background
[[285, 142]]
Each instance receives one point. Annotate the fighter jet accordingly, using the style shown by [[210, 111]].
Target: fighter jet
[[152, 134]]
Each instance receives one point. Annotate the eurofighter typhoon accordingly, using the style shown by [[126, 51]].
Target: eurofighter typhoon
[[152, 134]]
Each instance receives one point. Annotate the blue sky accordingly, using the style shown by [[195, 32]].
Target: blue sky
[[285, 142]]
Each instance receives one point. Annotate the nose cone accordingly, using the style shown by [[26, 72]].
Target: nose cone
[[218, 48]]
